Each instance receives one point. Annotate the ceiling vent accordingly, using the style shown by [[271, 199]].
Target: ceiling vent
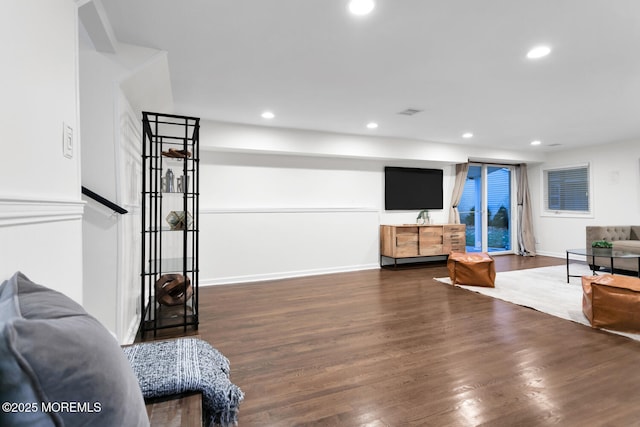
[[554, 145], [410, 111]]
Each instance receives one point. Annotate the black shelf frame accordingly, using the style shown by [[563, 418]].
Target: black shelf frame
[[162, 132]]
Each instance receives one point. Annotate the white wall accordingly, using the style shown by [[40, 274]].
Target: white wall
[[269, 216], [615, 175], [40, 204], [115, 87], [283, 202]]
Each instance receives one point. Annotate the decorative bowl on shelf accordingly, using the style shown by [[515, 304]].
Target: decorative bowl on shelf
[[179, 220], [173, 289]]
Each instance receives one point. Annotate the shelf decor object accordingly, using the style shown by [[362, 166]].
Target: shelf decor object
[[179, 220], [170, 226], [423, 217], [173, 289]]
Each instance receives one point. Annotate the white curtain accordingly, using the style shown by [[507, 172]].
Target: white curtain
[[526, 238], [458, 188]]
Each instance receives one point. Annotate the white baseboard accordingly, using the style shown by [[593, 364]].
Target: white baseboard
[[284, 275], [555, 254]]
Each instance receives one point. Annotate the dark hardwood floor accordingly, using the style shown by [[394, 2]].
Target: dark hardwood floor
[[397, 348]]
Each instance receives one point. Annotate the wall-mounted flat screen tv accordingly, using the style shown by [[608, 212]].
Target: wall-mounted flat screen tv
[[412, 188]]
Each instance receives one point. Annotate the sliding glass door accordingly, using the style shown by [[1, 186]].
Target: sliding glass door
[[487, 208]]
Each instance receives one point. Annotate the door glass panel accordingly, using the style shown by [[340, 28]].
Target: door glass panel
[[470, 209], [491, 233], [498, 209]]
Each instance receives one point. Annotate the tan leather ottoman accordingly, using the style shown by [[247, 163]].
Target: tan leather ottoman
[[612, 302], [475, 269]]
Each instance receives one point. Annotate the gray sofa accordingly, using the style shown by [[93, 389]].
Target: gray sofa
[[623, 237], [59, 366]]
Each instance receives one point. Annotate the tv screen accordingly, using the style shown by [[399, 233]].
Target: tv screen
[[412, 188]]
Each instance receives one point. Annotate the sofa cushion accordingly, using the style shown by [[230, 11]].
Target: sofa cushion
[[15, 384], [57, 357], [627, 245]]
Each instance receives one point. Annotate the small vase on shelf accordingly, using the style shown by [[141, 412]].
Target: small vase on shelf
[[169, 184], [423, 217]]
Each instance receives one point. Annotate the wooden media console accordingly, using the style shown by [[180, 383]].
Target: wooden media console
[[416, 241]]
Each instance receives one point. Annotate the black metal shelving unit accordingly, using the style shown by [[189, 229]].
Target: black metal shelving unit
[[169, 278]]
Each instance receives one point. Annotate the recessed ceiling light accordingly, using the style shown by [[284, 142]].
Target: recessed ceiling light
[[538, 52], [361, 7], [268, 115], [467, 135], [536, 142], [372, 125]]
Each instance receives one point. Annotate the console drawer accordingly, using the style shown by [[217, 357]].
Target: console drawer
[[406, 245]]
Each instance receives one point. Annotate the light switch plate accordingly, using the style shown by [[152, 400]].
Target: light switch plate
[[67, 141]]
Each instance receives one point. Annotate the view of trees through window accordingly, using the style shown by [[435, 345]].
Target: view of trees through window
[[498, 208]]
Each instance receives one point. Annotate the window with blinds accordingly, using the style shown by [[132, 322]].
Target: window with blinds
[[567, 190]]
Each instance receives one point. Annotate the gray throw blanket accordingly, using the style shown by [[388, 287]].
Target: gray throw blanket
[[175, 366]]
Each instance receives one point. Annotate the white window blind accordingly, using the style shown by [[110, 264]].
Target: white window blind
[[567, 190]]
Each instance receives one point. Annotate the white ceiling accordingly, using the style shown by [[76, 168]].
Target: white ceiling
[[463, 62]]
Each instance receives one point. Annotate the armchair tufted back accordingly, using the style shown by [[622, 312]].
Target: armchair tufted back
[[612, 233]]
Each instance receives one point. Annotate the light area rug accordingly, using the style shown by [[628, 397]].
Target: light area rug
[[544, 289]]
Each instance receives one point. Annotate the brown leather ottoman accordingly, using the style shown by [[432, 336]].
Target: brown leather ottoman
[[612, 302], [475, 269]]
